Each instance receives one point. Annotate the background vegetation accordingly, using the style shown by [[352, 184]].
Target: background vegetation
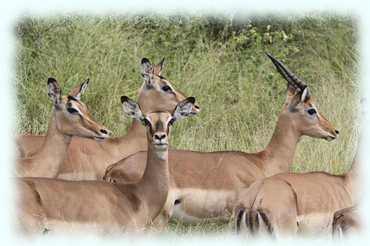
[[219, 60]]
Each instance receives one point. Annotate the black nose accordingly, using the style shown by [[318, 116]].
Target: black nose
[[336, 132], [159, 136], [104, 131], [196, 106]]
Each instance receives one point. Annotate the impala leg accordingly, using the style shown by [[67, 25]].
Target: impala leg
[[31, 217], [277, 212]]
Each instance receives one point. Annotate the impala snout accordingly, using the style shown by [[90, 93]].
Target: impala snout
[[332, 135], [101, 133], [329, 132], [195, 110], [160, 139], [104, 133]]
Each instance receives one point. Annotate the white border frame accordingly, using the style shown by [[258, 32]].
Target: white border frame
[[12, 11]]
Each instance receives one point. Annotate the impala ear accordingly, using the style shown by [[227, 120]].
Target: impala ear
[[183, 109], [79, 90], [54, 92], [157, 69], [298, 97], [146, 71], [131, 108], [305, 95]]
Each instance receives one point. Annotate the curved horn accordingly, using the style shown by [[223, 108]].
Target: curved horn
[[287, 74]]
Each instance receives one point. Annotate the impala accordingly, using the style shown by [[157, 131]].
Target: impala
[[44, 203], [70, 117], [88, 159], [204, 184], [289, 203]]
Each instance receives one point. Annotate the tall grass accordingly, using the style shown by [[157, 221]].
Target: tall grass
[[218, 60]]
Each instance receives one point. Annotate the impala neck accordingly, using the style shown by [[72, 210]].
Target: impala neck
[[135, 139], [53, 151], [279, 153], [154, 185], [121, 147]]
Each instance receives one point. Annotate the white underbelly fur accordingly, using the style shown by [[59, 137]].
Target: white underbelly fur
[[78, 176], [63, 227], [316, 223], [197, 204]]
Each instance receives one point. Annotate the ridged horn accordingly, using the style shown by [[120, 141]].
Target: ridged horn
[[287, 74]]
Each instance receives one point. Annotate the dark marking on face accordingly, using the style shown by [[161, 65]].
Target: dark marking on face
[[159, 124], [72, 98]]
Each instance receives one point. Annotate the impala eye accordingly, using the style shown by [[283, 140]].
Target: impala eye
[[146, 122], [72, 111], [166, 88], [312, 111]]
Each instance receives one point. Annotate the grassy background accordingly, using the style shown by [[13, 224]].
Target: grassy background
[[219, 60]]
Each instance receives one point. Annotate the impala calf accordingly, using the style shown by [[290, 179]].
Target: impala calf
[[205, 184], [47, 203], [88, 159], [70, 117]]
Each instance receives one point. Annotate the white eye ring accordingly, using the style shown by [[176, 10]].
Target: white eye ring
[[146, 122]]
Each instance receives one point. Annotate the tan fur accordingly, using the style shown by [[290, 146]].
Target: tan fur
[[228, 171], [88, 159], [46, 204], [301, 202], [110, 207], [62, 126]]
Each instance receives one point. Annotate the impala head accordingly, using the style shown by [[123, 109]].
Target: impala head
[[300, 108], [72, 116], [157, 93], [158, 123]]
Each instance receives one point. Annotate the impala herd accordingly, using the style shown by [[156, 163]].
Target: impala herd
[[76, 174]]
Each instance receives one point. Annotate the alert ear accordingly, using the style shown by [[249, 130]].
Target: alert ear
[[54, 92], [305, 95], [298, 97], [157, 69], [79, 90], [146, 71], [183, 109], [131, 108]]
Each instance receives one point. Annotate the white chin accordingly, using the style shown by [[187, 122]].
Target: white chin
[[162, 154], [161, 146], [329, 138]]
